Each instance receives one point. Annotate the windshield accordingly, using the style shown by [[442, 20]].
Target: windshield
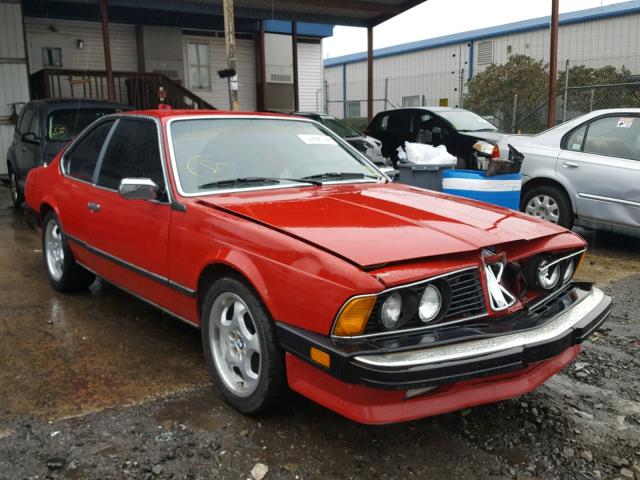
[[339, 127], [230, 153], [465, 121], [63, 125]]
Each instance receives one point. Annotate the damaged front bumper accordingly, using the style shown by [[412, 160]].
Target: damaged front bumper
[[485, 349]]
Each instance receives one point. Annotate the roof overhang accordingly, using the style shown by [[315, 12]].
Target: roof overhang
[[356, 13]]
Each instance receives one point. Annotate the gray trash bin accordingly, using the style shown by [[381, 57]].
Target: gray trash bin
[[423, 176]]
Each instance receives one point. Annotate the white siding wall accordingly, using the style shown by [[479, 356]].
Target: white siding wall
[[333, 79], [310, 91], [218, 95], [14, 85], [43, 32]]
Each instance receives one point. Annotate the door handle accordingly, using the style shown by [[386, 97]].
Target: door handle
[[94, 207], [570, 165]]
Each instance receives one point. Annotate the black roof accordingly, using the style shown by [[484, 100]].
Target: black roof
[[51, 104]]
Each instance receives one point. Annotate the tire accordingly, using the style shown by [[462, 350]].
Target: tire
[[17, 197], [549, 203], [65, 275], [241, 348]]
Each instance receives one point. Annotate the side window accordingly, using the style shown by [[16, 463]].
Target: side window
[[400, 122], [81, 161], [575, 139], [35, 124], [132, 153], [383, 123], [25, 120], [614, 137]]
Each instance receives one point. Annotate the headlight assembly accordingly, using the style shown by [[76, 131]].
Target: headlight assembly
[[391, 310], [430, 304], [548, 275], [568, 271]]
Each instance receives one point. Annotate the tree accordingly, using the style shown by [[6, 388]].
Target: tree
[[492, 91], [593, 93]]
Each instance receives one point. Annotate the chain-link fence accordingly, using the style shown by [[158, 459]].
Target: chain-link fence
[[513, 95]]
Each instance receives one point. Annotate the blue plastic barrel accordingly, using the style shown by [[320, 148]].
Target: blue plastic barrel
[[503, 190]]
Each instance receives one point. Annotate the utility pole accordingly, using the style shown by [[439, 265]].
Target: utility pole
[[230, 42], [104, 19], [553, 65]]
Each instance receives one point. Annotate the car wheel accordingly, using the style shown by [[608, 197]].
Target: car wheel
[[65, 275], [549, 203], [16, 195], [241, 348]]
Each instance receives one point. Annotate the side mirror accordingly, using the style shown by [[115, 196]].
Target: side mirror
[[29, 137], [138, 189]]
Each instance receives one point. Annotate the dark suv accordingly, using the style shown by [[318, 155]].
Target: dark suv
[[456, 128], [43, 128]]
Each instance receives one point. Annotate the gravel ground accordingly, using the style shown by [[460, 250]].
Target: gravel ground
[[582, 424]]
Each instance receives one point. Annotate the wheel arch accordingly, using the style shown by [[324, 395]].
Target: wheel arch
[[216, 269], [546, 181]]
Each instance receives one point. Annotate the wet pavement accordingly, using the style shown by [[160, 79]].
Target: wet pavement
[[101, 385]]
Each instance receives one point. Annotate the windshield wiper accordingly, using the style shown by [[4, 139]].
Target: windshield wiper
[[234, 181], [339, 175]]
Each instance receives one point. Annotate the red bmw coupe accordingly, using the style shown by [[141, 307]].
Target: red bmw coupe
[[305, 268]]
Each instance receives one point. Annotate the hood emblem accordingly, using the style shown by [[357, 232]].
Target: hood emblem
[[494, 265]]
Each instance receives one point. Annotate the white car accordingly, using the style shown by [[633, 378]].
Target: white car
[[585, 171]]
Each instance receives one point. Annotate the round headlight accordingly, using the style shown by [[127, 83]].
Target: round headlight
[[548, 277], [430, 304], [390, 311], [568, 271]]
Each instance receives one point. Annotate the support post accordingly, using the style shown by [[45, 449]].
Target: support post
[[140, 49], [514, 114], [386, 93], [369, 72], [591, 100], [294, 50], [230, 43], [262, 70], [104, 17], [553, 65], [565, 98]]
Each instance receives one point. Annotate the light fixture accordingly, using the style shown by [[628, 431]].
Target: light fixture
[[430, 303], [80, 44], [390, 311]]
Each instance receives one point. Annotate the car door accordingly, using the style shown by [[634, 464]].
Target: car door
[[27, 143], [78, 166], [601, 162], [130, 235]]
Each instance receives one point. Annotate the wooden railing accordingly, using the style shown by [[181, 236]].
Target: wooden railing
[[140, 90]]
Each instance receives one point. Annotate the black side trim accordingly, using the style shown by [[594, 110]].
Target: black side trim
[[344, 367], [140, 271]]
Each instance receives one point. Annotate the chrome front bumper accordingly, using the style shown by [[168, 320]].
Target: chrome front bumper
[[555, 328]]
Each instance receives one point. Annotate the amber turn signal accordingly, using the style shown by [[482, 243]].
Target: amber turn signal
[[320, 357], [353, 317]]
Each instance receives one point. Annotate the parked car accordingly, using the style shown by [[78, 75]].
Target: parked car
[[303, 266], [43, 128], [365, 144], [457, 129], [585, 171]]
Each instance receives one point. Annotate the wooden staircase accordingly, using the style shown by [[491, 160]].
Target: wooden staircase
[[139, 90]]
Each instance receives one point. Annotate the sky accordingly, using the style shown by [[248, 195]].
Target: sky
[[435, 18]]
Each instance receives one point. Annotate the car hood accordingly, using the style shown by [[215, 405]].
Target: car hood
[[493, 137], [374, 224]]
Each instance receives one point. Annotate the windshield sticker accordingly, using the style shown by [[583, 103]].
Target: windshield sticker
[[316, 139], [625, 122]]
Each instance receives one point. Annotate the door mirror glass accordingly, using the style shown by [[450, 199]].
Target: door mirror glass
[[138, 189], [29, 137]]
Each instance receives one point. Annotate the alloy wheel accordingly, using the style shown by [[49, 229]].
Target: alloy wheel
[[54, 250], [544, 207], [235, 344]]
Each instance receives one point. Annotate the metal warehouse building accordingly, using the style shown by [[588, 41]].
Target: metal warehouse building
[[435, 71]]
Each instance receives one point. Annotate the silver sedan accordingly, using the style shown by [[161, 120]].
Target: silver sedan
[[585, 171]]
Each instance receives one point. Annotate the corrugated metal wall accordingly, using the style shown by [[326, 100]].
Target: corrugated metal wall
[[435, 73], [218, 96], [431, 75], [310, 91], [14, 84]]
